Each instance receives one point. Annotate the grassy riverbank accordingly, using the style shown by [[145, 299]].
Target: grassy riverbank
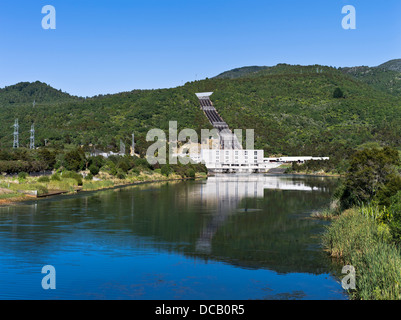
[[357, 238], [365, 231], [17, 189]]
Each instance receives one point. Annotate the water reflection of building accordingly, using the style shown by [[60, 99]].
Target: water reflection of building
[[224, 193]]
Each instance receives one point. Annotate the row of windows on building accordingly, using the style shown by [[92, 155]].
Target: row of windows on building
[[236, 152], [227, 159]]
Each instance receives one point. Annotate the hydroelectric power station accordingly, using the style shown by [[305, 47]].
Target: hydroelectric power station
[[224, 153]]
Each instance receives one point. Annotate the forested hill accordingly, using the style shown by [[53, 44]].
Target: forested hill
[[393, 65], [385, 77], [27, 92], [239, 72], [293, 110]]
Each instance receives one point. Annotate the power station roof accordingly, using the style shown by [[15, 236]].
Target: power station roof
[[204, 94]]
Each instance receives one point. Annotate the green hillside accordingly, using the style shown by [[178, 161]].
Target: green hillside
[[27, 92], [385, 77], [282, 68], [239, 72], [392, 65], [291, 108]]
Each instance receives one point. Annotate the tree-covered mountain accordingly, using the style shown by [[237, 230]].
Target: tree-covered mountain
[[29, 92], [239, 72], [293, 110], [385, 77], [392, 65], [282, 68]]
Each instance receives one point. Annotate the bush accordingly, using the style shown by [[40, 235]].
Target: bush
[[190, 173], [113, 171], [97, 161], [55, 177], [109, 167], [372, 172], [47, 157], [394, 217], [89, 177], [136, 171], [383, 196], [43, 179], [124, 164], [75, 160], [338, 93], [73, 175], [120, 174], [22, 175], [94, 170], [165, 170]]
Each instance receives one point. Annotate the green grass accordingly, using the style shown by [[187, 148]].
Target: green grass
[[325, 214], [32, 184], [65, 184], [378, 272], [358, 240], [9, 195], [95, 185], [29, 185]]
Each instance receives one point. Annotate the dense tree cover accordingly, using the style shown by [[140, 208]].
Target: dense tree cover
[[27, 92], [75, 160], [381, 78], [291, 109], [338, 93], [372, 176], [239, 72], [372, 186], [25, 160]]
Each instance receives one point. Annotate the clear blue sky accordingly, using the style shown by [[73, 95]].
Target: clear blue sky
[[105, 46]]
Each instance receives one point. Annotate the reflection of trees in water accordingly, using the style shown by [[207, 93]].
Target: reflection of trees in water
[[180, 217], [262, 232], [240, 194], [272, 236], [323, 183]]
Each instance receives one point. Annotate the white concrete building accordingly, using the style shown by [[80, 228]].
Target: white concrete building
[[236, 160]]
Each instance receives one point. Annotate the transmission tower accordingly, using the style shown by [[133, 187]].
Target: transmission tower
[[32, 138], [16, 139]]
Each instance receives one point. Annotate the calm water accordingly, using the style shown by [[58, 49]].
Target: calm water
[[230, 237]]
